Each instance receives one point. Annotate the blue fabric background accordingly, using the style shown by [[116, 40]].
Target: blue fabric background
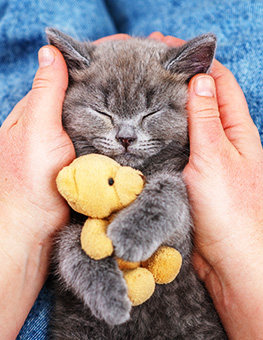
[[237, 24]]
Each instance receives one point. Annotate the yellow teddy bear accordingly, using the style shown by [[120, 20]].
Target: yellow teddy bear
[[98, 187]]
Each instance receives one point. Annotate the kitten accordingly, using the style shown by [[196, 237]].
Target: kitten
[[127, 99]]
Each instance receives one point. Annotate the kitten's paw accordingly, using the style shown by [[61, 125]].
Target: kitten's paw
[[116, 310], [131, 241], [109, 300]]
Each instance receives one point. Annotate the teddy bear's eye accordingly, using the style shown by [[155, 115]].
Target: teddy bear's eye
[[111, 181]]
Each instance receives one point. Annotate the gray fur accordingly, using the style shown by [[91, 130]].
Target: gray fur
[[126, 99]]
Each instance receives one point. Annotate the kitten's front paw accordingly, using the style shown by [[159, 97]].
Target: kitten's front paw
[[131, 239], [116, 309], [109, 300]]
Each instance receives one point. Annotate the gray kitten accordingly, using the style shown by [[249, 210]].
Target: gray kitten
[[127, 99]]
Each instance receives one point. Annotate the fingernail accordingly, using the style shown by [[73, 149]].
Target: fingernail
[[46, 57], [204, 86]]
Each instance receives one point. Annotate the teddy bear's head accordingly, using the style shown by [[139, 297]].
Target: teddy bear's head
[[96, 185]]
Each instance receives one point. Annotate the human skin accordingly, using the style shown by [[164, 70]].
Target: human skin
[[224, 180], [33, 148], [224, 177]]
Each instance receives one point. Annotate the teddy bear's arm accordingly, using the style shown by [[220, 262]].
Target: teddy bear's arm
[[94, 239], [160, 215]]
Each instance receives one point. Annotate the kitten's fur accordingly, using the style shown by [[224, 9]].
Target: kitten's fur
[[126, 99]]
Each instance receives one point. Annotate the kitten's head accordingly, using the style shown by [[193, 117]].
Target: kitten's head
[[126, 99]]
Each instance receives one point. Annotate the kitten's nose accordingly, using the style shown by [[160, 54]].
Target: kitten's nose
[[126, 135], [126, 142]]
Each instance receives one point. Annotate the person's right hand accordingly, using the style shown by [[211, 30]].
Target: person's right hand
[[33, 148]]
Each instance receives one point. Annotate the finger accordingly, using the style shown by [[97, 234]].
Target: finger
[[156, 36], [168, 40], [112, 37], [173, 42], [234, 113], [45, 100], [206, 133], [230, 95]]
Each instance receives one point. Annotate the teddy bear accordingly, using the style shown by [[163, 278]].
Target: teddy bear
[[98, 187]]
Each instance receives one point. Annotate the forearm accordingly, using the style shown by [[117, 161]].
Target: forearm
[[24, 264]]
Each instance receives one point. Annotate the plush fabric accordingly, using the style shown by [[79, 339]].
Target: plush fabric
[[237, 24]]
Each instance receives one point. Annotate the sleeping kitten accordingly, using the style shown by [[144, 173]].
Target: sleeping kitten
[[127, 99]]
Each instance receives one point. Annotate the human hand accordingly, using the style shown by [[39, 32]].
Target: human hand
[[33, 148], [224, 177]]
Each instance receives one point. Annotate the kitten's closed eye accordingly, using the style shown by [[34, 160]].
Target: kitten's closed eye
[[104, 114], [151, 114]]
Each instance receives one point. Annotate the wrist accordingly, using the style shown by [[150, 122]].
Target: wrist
[[235, 285], [24, 262], [26, 239], [240, 308]]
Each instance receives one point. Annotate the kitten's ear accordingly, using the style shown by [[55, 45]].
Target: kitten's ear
[[196, 56], [77, 55]]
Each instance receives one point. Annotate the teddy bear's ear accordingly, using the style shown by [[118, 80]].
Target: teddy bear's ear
[[66, 184]]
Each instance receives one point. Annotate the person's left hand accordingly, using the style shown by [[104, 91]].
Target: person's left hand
[[225, 187]]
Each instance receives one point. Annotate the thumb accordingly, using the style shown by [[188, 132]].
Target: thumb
[[206, 132], [45, 100]]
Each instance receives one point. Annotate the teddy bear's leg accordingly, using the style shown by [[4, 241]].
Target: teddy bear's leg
[[127, 264], [140, 284], [94, 240], [164, 264]]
